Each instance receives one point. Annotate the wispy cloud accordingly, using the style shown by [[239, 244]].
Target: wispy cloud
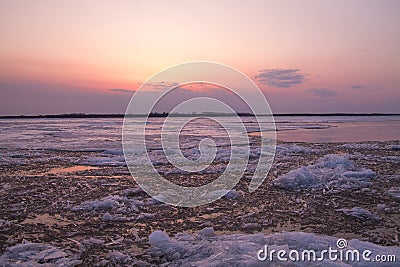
[[121, 90], [364, 88], [323, 92], [162, 86], [357, 87], [283, 78]]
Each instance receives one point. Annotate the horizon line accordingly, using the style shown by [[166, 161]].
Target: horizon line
[[165, 114]]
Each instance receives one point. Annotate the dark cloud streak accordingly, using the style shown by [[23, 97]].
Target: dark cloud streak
[[121, 90], [282, 78], [357, 87], [323, 92]]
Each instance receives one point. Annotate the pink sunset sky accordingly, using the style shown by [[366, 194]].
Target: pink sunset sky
[[306, 56]]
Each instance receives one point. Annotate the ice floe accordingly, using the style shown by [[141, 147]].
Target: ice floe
[[114, 202], [360, 213], [395, 147], [207, 231], [4, 224], [233, 194], [37, 254], [394, 192], [367, 146], [331, 171], [107, 217], [107, 203], [243, 249], [105, 161], [117, 208], [288, 149]]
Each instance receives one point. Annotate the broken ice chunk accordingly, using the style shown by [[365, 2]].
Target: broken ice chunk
[[331, 171], [207, 231], [395, 193], [359, 213]]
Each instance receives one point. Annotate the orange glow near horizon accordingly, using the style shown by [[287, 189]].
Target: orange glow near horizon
[[94, 46]]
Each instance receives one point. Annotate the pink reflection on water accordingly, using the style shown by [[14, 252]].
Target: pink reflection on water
[[345, 132]]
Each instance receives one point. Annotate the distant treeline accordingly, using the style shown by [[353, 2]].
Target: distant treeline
[[165, 114], [83, 115]]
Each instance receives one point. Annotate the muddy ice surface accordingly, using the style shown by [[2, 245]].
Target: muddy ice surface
[[77, 208]]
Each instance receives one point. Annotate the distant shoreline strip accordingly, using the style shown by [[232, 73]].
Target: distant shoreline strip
[[208, 114]]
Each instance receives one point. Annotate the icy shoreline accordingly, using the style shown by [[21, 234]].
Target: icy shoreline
[[244, 249], [208, 249], [71, 212]]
